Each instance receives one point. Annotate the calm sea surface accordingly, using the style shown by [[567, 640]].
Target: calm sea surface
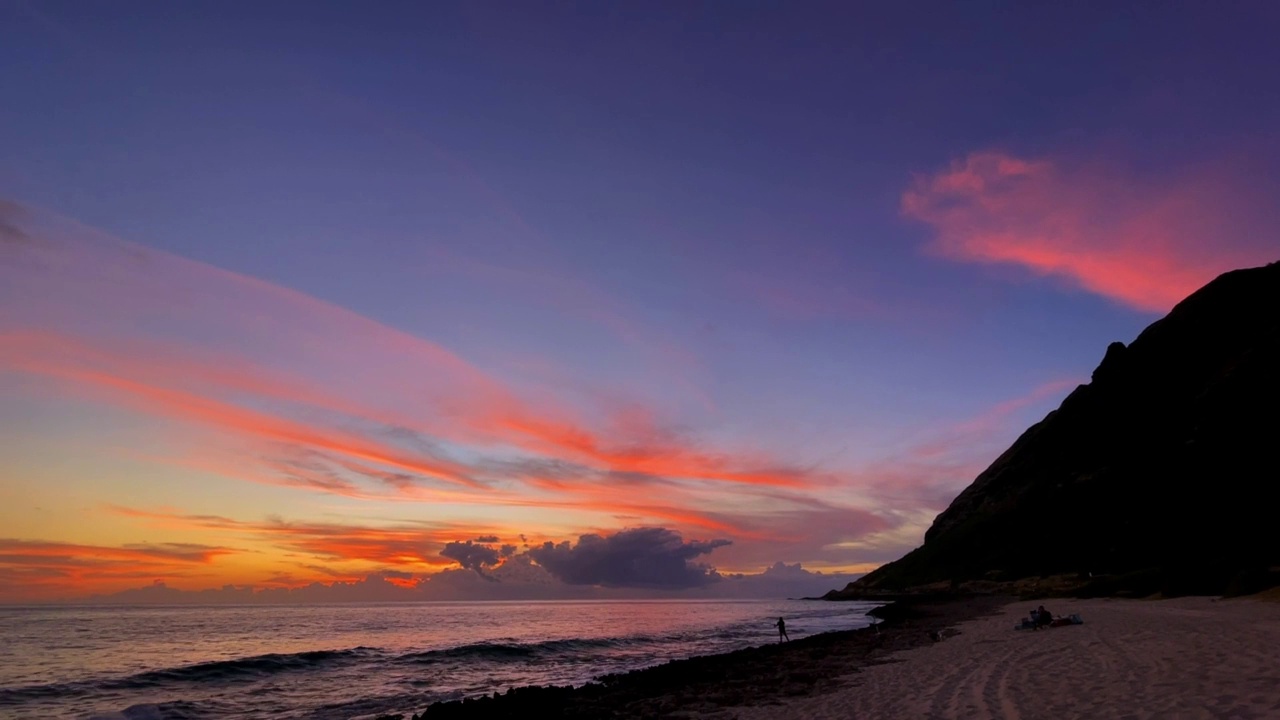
[[350, 661]]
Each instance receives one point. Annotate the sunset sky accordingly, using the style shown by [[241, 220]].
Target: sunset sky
[[298, 292]]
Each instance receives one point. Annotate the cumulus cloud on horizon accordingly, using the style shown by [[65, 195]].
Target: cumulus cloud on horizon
[[471, 555], [520, 579], [649, 557], [638, 558]]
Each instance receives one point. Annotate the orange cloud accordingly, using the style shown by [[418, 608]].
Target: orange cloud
[[33, 570], [680, 517], [416, 546], [224, 416], [398, 545], [512, 424], [679, 511], [415, 550], [158, 326], [170, 381], [1142, 242], [286, 389], [651, 453]]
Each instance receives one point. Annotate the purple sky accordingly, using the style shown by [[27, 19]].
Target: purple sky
[[343, 276]]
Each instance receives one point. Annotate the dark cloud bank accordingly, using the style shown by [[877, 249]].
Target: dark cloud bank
[[636, 563], [472, 555], [641, 558]]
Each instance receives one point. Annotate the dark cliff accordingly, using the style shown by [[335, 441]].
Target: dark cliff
[[1166, 466]]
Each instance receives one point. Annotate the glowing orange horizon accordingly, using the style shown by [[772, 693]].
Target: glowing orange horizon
[[376, 424]]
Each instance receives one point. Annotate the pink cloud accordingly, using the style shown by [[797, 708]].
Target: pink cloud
[[272, 386], [262, 384], [178, 338], [227, 417], [38, 569], [1146, 243]]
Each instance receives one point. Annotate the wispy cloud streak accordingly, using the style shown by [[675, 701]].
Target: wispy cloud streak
[[254, 382], [1143, 241], [37, 569], [172, 325]]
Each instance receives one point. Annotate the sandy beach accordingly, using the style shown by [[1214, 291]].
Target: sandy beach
[[1180, 658]]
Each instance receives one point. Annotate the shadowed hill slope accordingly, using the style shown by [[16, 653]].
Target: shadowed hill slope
[[1164, 469]]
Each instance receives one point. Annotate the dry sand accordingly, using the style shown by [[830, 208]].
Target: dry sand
[[1181, 658]]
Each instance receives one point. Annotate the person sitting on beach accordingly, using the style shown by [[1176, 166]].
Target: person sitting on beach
[[1043, 617], [782, 630]]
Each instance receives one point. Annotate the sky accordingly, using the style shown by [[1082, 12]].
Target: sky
[[477, 300]]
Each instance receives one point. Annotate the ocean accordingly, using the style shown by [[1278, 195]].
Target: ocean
[[338, 662]]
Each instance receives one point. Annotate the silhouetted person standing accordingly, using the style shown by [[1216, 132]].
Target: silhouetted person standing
[[782, 630]]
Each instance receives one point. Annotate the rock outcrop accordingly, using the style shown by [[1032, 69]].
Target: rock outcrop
[[1162, 473]]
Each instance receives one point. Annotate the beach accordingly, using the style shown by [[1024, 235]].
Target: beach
[[1189, 658], [720, 685], [929, 657], [1180, 658]]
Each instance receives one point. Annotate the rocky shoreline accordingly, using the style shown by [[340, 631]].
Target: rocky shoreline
[[750, 677]]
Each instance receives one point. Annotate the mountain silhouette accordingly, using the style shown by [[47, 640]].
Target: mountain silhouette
[[1162, 474]]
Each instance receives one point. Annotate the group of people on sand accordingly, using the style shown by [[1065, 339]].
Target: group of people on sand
[[1041, 618]]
